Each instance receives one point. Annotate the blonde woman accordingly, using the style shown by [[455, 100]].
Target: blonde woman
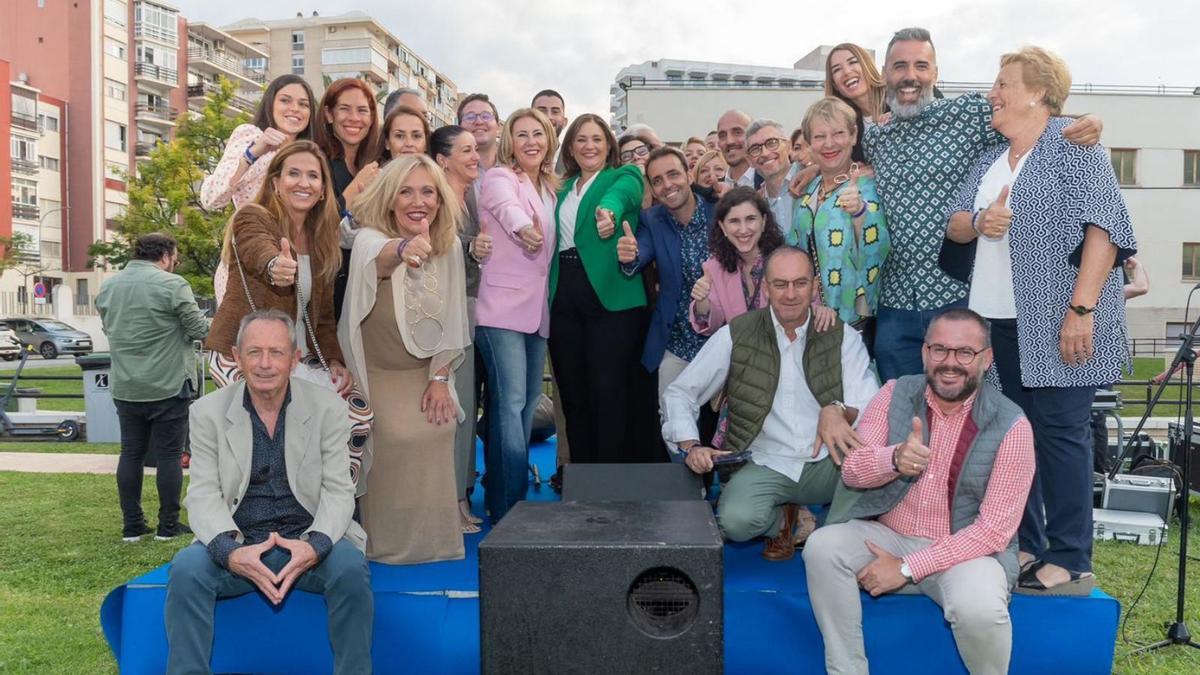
[[404, 326]]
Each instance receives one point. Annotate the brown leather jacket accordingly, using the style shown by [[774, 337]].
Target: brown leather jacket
[[257, 234]]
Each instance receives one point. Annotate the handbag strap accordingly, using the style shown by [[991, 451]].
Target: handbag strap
[[300, 303]]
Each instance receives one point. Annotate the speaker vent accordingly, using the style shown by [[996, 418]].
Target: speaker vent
[[663, 602]]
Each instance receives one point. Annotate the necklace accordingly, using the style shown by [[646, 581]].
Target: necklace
[[423, 304], [1016, 157], [823, 192]]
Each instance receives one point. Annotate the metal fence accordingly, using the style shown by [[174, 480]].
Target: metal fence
[[1153, 346]]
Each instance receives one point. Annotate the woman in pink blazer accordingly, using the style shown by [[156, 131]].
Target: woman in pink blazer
[[516, 207]]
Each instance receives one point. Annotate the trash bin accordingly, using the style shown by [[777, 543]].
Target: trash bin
[[102, 424]]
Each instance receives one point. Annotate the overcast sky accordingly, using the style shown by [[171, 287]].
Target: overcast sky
[[512, 48]]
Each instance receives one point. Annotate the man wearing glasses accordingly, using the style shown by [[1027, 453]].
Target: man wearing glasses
[[769, 153], [793, 397], [478, 115], [943, 473]]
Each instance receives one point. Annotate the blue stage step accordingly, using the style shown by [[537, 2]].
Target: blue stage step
[[427, 621]]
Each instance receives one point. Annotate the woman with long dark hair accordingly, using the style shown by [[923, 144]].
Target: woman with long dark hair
[[346, 131], [283, 254]]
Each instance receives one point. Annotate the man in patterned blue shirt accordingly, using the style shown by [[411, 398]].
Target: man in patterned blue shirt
[[921, 156]]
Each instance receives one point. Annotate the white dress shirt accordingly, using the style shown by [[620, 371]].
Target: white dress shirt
[[569, 211], [789, 431], [747, 179], [991, 281]]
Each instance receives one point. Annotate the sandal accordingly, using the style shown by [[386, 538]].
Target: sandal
[[464, 509], [469, 528], [1080, 583]]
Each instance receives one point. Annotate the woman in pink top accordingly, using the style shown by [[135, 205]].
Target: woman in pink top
[[284, 114], [516, 207]]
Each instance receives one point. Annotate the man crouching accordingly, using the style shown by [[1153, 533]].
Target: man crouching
[[270, 502], [944, 471], [793, 394]]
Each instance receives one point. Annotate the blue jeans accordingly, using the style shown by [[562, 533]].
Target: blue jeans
[[899, 335], [514, 363], [194, 583]]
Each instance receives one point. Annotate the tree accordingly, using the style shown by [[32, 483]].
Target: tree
[[164, 194]]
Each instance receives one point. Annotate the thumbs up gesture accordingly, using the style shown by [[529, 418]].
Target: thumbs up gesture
[[282, 271], [850, 199], [531, 235], [995, 220], [419, 248], [700, 293], [605, 225], [627, 246], [912, 456]]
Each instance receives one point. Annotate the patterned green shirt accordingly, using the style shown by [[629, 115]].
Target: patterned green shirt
[[920, 163], [150, 317]]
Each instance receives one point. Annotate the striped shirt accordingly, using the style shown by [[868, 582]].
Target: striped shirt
[[925, 511]]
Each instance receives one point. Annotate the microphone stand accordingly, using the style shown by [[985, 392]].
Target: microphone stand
[[1177, 631]]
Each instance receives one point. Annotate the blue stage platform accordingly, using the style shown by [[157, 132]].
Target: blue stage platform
[[427, 621]]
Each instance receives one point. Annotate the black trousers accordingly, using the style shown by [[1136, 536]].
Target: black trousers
[[161, 425], [594, 353]]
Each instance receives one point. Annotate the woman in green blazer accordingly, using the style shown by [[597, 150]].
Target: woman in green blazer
[[596, 312]]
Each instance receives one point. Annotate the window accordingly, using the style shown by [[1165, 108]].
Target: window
[[297, 40], [23, 148], [48, 123], [48, 163], [81, 292], [297, 64], [51, 251], [1191, 167], [1191, 261], [24, 191], [1124, 165], [257, 63], [337, 57], [160, 56], [115, 135], [114, 90], [156, 22], [114, 48], [115, 12]]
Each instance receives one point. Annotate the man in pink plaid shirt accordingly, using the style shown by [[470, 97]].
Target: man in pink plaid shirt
[[944, 472]]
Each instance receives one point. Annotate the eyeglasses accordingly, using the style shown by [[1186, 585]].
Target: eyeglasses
[[639, 151], [771, 144], [964, 355], [798, 284], [471, 118]]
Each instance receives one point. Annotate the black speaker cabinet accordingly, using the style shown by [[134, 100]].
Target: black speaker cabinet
[[602, 587], [630, 482]]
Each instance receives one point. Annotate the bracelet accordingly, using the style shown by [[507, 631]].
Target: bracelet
[[895, 466], [271, 266], [975, 221], [249, 155], [861, 210], [403, 243], [444, 379]]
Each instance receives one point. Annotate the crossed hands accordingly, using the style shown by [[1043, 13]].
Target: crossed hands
[[246, 562]]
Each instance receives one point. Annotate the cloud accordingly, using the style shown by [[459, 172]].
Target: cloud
[[512, 48]]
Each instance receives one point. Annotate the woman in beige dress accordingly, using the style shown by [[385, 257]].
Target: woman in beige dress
[[404, 328]]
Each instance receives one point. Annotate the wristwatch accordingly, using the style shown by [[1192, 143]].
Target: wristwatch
[[839, 404], [1081, 310], [905, 571]]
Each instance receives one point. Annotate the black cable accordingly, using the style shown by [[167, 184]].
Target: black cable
[[1157, 554]]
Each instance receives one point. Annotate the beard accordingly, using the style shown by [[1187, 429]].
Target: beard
[[952, 394], [908, 110]]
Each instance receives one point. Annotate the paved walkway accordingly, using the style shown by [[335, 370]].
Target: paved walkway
[[46, 462]]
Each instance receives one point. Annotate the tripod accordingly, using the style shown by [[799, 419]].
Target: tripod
[[1177, 632]]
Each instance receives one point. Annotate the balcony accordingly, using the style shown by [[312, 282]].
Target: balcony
[[143, 148], [24, 166], [23, 121], [141, 29], [156, 112], [162, 74], [25, 211], [237, 104], [227, 64]]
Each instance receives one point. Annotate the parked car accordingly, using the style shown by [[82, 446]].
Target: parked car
[[50, 337], [10, 344]]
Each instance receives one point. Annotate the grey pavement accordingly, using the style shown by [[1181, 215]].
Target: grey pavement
[[46, 462]]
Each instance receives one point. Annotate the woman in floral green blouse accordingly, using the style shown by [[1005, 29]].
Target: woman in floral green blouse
[[839, 219]]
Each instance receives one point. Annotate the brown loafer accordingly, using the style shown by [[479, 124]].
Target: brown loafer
[[780, 547]]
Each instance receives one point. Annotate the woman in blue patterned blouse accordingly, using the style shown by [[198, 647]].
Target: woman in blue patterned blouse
[[1051, 232], [839, 219]]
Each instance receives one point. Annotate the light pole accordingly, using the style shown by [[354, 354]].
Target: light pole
[[41, 262]]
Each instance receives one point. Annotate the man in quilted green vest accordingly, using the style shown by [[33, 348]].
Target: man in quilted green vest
[[794, 395], [944, 472]]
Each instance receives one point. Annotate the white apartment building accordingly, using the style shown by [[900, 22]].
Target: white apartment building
[[347, 45]]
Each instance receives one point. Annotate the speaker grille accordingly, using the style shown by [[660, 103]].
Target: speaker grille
[[663, 602]]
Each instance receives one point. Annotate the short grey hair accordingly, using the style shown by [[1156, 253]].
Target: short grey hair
[[762, 123], [266, 315], [912, 34], [393, 98]]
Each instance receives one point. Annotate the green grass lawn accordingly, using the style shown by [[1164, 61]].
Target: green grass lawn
[[1145, 367], [29, 380], [61, 553]]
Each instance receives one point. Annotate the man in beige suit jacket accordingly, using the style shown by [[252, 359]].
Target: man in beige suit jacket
[[271, 503]]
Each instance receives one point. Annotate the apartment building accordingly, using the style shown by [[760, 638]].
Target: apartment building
[[212, 54], [326, 48], [1157, 164]]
